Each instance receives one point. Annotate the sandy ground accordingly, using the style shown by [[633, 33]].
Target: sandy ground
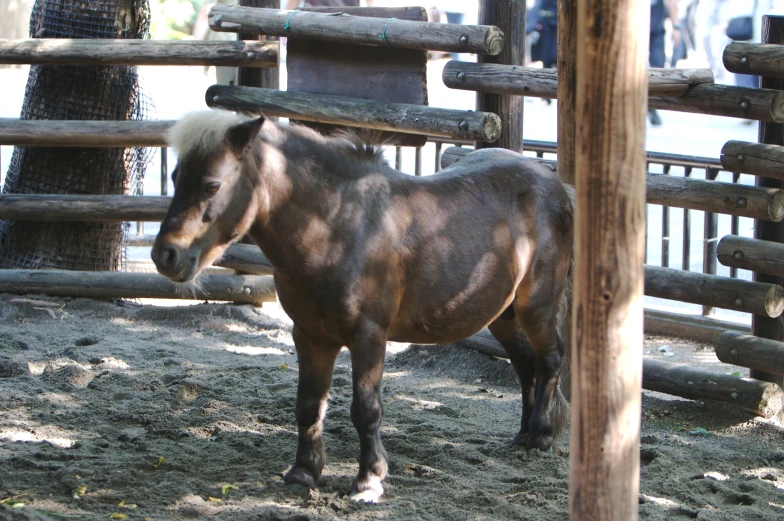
[[112, 409]]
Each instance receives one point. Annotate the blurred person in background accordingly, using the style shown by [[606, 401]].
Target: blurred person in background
[[542, 24], [660, 11]]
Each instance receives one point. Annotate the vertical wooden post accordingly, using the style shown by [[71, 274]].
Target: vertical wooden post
[[772, 134], [611, 87], [267, 77], [567, 105], [509, 16]]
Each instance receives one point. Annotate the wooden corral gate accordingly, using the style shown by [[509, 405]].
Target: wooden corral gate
[[681, 90]]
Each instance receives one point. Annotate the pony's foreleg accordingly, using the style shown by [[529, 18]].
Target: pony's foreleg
[[517, 346], [316, 363], [367, 360]]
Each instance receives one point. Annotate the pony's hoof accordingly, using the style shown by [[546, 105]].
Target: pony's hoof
[[298, 476], [521, 440], [368, 490], [543, 443]]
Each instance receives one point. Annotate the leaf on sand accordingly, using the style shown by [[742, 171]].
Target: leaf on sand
[[283, 366], [210, 498], [118, 515], [123, 504], [161, 461], [79, 492], [13, 503], [225, 489]]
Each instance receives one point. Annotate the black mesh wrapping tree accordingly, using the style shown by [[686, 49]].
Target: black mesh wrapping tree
[[70, 92]]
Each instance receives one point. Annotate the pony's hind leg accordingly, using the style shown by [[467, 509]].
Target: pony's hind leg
[[367, 361], [537, 318], [316, 363], [516, 345]]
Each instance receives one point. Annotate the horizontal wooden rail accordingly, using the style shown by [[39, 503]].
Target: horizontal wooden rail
[[712, 290], [245, 258], [50, 207], [378, 115], [762, 398], [72, 133], [751, 254], [702, 98], [246, 289], [725, 100], [543, 83], [57, 51], [765, 204], [755, 58], [338, 27], [751, 351], [753, 158]]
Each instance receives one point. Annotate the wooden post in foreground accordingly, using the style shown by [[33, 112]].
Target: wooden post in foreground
[[771, 134], [567, 126], [510, 18], [607, 320]]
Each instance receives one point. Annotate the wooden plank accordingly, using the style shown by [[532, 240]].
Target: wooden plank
[[754, 58], [607, 314], [62, 51], [713, 196], [759, 298], [322, 108], [510, 17], [753, 158], [244, 289], [37, 207], [751, 351], [752, 254], [770, 134], [762, 398], [336, 27], [361, 71], [543, 83], [20, 132]]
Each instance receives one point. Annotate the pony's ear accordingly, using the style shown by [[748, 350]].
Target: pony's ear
[[240, 136]]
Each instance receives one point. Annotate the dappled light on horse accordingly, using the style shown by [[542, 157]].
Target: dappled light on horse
[[363, 254]]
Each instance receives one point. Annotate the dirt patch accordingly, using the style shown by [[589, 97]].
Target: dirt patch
[[188, 412]]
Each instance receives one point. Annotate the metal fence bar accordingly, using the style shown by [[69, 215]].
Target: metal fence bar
[[709, 261], [686, 262], [665, 257], [734, 226]]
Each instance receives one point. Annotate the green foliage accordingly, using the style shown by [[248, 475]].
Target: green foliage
[[173, 19]]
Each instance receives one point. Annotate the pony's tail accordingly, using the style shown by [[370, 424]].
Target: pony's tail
[[561, 410]]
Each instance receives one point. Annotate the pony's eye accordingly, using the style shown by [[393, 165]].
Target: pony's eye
[[212, 188]]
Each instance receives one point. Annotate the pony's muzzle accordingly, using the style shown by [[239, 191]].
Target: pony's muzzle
[[167, 257], [171, 262]]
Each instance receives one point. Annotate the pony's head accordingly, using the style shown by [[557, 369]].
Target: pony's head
[[215, 200]]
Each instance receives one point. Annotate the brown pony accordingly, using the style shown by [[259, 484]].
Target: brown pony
[[363, 254]]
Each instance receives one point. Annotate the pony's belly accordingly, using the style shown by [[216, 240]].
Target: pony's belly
[[441, 327]]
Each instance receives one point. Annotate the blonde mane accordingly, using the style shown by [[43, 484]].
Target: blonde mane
[[202, 131]]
